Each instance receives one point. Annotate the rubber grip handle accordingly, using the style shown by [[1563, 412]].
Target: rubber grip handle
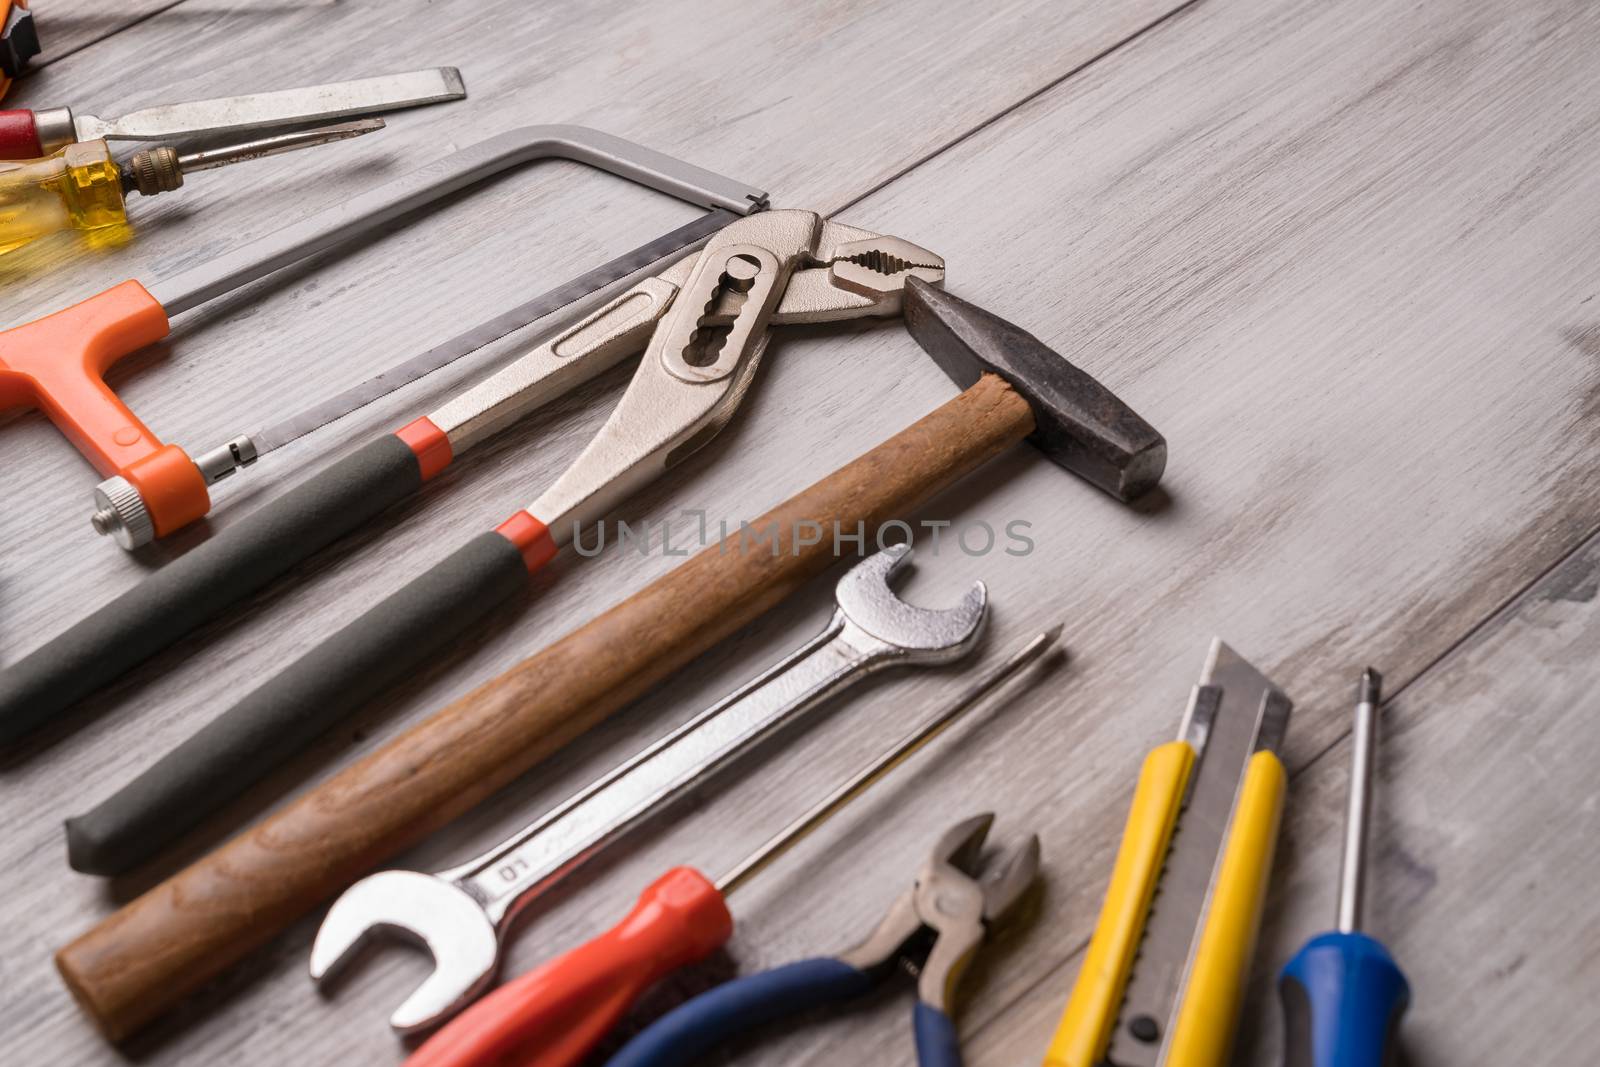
[[555, 1014], [1343, 996], [258, 734], [201, 585], [19, 135], [937, 1043], [688, 1034]]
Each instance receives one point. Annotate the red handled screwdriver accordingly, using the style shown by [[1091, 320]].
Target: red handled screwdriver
[[554, 1015]]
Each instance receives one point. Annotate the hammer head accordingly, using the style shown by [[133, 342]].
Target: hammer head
[[1078, 423]]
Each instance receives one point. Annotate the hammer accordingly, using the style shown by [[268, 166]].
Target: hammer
[[141, 961]]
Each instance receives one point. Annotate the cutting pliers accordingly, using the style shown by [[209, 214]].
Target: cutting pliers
[[933, 929]]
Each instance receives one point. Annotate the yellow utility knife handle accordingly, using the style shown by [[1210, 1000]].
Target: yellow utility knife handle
[[1209, 1005], [1085, 1028]]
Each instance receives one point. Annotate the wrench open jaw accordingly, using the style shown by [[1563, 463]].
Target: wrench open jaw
[[464, 915], [868, 601], [437, 914]]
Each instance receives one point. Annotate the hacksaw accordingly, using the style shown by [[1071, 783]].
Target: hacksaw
[[58, 363]]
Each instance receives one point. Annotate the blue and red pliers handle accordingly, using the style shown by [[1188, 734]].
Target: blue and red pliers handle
[[948, 900], [689, 1033]]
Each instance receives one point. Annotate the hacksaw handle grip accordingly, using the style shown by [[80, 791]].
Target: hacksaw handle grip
[[203, 584], [247, 742], [57, 364], [19, 133], [554, 1015]]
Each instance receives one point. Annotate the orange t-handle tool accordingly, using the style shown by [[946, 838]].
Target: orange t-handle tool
[[554, 1015], [57, 363]]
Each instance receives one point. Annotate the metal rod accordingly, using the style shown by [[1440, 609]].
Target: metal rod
[[371, 209], [798, 830], [261, 147], [1358, 813], [607, 278]]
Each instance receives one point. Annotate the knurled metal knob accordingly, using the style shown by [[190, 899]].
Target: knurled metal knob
[[120, 513], [155, 170]]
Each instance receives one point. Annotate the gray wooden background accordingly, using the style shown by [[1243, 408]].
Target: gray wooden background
[[1342, 252]]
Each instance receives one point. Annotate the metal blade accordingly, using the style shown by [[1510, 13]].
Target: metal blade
[[274, 145], [643, 259], [1234, 710], [314, 103]]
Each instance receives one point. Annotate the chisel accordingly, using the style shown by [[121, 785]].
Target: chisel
[[27, 134]]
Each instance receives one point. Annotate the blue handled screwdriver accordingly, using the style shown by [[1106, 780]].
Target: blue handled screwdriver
[[1343, 994]]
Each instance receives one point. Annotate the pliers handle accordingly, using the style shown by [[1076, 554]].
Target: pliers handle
[[688, 1033]]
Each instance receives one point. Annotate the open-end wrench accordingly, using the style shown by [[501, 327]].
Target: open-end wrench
[[462, 915]]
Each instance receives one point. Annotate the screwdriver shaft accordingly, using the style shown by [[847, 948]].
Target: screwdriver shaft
[[797, 831], [261, 147], [1358, 813], [1342, 993]]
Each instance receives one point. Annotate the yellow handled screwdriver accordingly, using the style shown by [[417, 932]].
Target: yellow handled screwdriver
[[1161, 985], [82, 188]]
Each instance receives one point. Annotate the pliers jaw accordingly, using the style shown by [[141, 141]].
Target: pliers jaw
[[854, 274], [772, 268], [937, 925]]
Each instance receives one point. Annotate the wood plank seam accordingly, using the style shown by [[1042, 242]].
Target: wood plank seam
[[48, 57], [1490, 620], [1443, 534], [1017, 105]]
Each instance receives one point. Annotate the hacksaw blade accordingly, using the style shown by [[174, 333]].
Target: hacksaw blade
[[640, 260]]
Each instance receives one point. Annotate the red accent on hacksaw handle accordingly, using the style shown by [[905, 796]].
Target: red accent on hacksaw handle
[[531, 537], [58, 364], [555, 1014], [19, 135], [428, 443]]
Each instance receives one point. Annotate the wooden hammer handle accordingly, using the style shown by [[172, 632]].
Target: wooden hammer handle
[[139, 962]]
